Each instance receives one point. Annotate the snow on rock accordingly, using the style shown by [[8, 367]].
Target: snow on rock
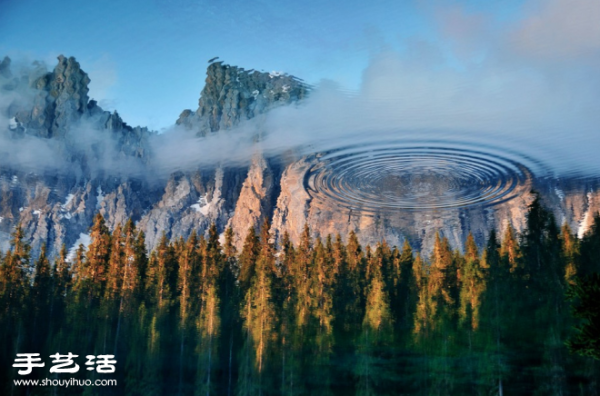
[[559, 193], [13, 124], [203, 206], [21, 209], [37, 212], [63, 208], [68, 200], [274, 74], [1, 218], [584, 225], [84, 239], [99, 197]]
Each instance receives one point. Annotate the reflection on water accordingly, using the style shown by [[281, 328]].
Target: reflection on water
[[414, 175]]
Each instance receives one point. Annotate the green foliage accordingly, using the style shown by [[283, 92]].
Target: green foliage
[[585, 293], [320, 316]]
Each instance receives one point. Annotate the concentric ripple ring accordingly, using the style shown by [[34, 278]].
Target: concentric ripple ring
[[390, 176]]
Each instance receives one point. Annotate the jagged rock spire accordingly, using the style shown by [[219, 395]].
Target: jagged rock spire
[[61, 98], [232, 94], [5, 67]]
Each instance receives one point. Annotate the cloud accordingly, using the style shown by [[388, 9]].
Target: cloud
[[497, 84], [560, 30], [484, 89], [87, 149], [466, 32]]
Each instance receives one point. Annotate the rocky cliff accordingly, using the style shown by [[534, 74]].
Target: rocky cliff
[[103, 163], [232, 95]]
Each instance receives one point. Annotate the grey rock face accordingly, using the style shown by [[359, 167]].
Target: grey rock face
[[53, 110], [61, 100], [55, 105], [254, 203], [232, 95], [57, 208], [5, 68]]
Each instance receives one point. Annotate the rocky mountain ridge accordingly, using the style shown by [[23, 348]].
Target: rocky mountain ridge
[[58, 207]]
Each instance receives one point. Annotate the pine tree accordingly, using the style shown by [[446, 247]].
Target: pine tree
[[61, 274], [534, 236], [133, 263], [585, 293], [98, 253], [209, 327], [301, 273], [247, 259], [403, 294], [230, 302], [321, 288], [473, 284], [442, 280], [570, 253], [115, 265], [423, 311], [61, 288], [209, 320], [376, 333], [161, 273], [259, 319], [494, 306], [590, 248], [188, 262], [510, 252], [16, 268], [350, 297], [42, 282], [378, 318]]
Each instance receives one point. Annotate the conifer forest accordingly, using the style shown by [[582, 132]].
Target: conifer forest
[[326, 316]]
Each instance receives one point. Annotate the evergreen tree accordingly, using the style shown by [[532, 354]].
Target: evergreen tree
[[442, 283], [95, 266], [161, 282], [16, 269], [510, 250], [350, 297], [209, 320], [571, 253], [247, 260], [301, 273], [404, 293], [189, 262], [376, 334], [259, 320], [585, 292], [230, 302], [473, 284], [590, 248], [61, 275]]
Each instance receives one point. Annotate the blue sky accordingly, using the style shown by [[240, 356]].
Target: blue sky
[[147, 58]]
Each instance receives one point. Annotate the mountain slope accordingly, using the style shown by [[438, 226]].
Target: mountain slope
[[64, 159]]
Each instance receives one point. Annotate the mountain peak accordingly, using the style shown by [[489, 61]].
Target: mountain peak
[[60, 98], [232, 94], [5, 67], [70, 82]]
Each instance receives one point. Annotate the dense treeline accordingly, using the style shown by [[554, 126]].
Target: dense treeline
[[322, 317]]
